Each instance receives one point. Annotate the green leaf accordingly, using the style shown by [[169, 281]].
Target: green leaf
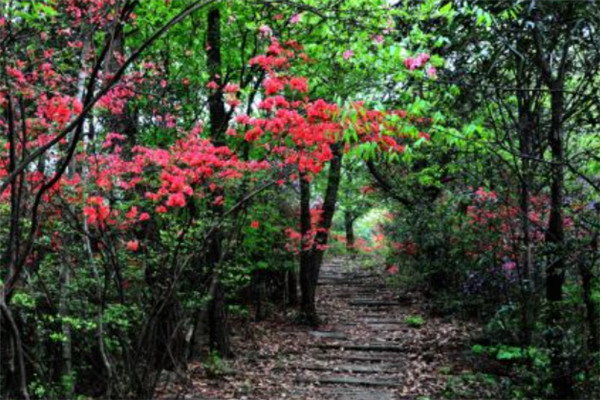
[[446, 10]]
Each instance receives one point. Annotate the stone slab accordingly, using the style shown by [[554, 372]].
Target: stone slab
[[348, 380]]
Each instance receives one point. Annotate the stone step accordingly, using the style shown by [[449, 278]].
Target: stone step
[[375, 321], [334, 282], [390, 348], [374, 303], [348, 380], [351, 368], [385, 327], [342, 393], [329, 335], [381, 317], [375, 358], [367, 293]]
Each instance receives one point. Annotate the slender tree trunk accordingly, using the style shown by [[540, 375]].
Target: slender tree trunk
[[6, 315], [329, 203], [292, 287], [217, 312], [555, 238], [218, 331], [349, 227], [260, 295], [67, 353], [307, 306], [216, 104], [527, 287], [554, 80], [14, 243], [311, 259]]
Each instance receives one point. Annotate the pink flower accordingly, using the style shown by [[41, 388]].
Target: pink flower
[[411, 63], [392, 269], [418, 62], [509, 265], [273, 85], [299, 84], [144, 217], [423, 58], [176, 200], [295, 18], [265, 31], [231, 88], [90, 213], [233, 102], [348, 54], [431, 72], [378, 39], [133, 245], [132, 212], [255, 224]]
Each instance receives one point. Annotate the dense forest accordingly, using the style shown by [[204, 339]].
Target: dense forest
[[299, 199]]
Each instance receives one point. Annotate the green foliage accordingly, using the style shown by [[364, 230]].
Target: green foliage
[[538, 357], [414, 321], [216, 367], [473, 385]]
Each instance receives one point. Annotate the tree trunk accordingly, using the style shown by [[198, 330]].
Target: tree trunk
[[554, 80], [260, 295], [292, 286], [349, 226], [67, 353], [307, 306], [13, 260], [216, 104], [333, 184], [218, 335], [555, 238], [6, 315], [311, 259], [218, 326], [526, 278]]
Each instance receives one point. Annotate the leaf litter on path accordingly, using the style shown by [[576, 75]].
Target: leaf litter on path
[[278, 359]]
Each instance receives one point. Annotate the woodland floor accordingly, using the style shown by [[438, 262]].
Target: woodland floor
[[365, 349]]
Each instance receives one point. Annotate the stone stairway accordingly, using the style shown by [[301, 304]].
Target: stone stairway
[[354, 355], [364, 349]]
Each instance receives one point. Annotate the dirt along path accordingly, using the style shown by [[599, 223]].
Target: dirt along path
[[371, 346]]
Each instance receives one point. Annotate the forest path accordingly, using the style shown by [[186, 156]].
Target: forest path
[[365, 349]]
